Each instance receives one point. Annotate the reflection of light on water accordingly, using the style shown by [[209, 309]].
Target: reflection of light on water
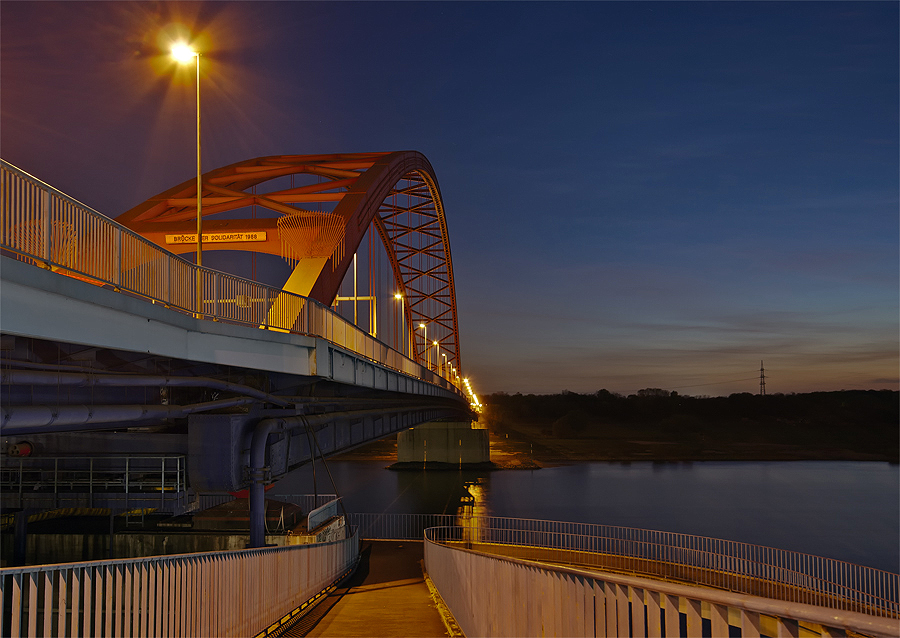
[[472, 509]]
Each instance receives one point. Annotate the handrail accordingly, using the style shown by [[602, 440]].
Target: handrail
[[712, 561], [490, 594], [42, 225], [157, 479], [225, 593], [734, 566]]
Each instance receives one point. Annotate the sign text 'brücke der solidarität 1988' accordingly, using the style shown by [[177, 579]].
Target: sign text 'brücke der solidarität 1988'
[[212, 238]]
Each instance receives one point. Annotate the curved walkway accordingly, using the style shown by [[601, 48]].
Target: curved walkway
[[387, 596], [671, 572]]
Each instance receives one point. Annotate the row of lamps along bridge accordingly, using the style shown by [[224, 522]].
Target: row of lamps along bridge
[[183, 53]]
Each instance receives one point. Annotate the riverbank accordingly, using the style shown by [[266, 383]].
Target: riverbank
[[528, 447], [524, 444]]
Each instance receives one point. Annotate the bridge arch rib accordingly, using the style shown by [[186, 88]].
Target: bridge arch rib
[[319, 223]]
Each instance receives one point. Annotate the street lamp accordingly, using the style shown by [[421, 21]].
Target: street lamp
[[437, 357], [183, 53], [403, 336], [425, 345]]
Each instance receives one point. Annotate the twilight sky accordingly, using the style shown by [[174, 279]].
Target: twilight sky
[[638, 194]]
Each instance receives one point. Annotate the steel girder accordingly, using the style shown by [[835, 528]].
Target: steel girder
[[397, 192]]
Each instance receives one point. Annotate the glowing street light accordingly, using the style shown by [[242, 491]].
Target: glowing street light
[[403, 335], [437, 357], [425, 347], [183, 53]]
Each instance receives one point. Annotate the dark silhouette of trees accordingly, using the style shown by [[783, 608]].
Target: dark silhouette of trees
[[574, 423], [864, 421]]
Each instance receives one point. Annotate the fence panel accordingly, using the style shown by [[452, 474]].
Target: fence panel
[[69, 481], [739, 567], [551, 600], [191, 592]]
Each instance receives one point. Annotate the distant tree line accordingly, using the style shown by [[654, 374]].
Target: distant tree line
[[854, 419]]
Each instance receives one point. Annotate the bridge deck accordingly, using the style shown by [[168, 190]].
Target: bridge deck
[[387, 596]]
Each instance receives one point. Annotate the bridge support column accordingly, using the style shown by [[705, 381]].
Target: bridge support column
[[257, 491], [444, 443]]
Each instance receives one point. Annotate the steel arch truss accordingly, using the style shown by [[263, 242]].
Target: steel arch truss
[[414, 232], [396, 192]]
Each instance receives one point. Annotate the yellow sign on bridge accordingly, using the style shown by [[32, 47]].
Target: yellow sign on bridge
[[215, 238]]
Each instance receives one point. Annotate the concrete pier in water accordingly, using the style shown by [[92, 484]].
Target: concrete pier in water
[[444, 442]]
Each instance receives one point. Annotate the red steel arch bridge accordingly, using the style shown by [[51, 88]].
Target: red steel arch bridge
[[318, 210], [331, 322]]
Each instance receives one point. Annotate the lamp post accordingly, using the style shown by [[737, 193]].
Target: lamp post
[[437, 356], [445, 371], [403, 337], [425, 344], [184, 53]]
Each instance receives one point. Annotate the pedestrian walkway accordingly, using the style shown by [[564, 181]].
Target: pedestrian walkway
[[387, 596]]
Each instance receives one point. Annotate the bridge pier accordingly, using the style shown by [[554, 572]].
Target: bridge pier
[[454, 443]]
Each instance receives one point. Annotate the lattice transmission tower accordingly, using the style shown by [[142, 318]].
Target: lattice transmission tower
[[762, 379]]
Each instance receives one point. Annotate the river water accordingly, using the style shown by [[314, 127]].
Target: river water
[[844, 510]]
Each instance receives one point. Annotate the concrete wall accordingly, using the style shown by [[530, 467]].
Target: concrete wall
[[451, 442]]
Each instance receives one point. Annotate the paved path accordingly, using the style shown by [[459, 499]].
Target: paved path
[[387, 596]]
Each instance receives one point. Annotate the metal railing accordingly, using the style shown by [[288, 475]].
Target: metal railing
[[59, 481], [493, 595], [41, 225], [398, 526], [231, 593], [730, 565]]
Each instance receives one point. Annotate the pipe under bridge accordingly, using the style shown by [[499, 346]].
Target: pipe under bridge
[[113, 346]]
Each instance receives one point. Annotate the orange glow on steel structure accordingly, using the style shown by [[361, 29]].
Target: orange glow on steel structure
[[397, 192]]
